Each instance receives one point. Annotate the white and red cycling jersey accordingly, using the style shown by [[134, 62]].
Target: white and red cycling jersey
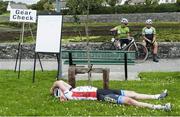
[[81, 93]]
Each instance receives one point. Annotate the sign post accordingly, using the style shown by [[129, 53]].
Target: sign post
[[58, 7], [24, 16]]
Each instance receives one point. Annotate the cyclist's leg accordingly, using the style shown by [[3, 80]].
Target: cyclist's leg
[[144, 43], [118, 99], [118, 43], [155, 49], [131, 94], [124, 42], [130, 101], [135, 95]]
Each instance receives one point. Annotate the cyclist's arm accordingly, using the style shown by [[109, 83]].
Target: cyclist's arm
[[154, 36], [128, 35], [113, 29]]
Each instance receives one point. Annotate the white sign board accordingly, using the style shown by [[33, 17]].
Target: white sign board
[[48, 33], [23, 15]]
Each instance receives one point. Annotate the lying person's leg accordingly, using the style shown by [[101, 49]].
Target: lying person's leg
[[130, 101], [136, 95], [61, 85], [113, 98]]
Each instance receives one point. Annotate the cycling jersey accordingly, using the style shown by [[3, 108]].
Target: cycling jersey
[[81, 93], [149, 32], [122, 31]]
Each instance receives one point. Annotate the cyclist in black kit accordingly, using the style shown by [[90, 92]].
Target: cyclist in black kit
[[149, 36]]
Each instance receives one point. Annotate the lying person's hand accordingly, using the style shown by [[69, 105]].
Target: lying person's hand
[[62, 99]]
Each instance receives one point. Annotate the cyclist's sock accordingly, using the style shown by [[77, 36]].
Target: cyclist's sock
[[155, 59], [157, 107]]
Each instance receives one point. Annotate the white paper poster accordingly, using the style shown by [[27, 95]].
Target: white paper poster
[[49, 33]]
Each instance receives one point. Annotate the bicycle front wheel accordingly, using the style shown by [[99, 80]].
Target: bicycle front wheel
[[141, 51], [107, 46]]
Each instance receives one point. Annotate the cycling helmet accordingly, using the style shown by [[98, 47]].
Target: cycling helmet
[[149, 21], [124, 21]]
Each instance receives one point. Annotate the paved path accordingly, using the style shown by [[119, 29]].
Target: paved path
[[116, 71]]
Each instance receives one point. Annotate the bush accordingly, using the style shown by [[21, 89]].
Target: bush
[[3, 6], [178, 2], [167, 8]]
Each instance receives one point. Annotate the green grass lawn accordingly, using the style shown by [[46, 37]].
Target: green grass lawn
[[22, 97]]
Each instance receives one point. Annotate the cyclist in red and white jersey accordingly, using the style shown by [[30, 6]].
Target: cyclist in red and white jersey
[[65, 92]]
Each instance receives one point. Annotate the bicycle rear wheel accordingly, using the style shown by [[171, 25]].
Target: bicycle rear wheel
[[141, 51], [107, 46]]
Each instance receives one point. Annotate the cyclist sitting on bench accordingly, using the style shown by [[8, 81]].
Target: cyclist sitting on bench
[[122, 33], [149, 36]]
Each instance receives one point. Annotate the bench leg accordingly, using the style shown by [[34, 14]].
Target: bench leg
[[106, 78], [71, 76], [125, 66]]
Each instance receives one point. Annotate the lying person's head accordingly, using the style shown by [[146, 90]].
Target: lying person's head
[[57, 92]]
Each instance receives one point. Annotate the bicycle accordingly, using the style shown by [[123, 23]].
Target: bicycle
[[140, 49]]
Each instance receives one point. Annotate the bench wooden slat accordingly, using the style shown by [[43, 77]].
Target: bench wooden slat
[[98, 54], [100, 62]]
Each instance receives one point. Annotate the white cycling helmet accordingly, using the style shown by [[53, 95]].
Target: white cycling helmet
[[149, 21], [124, 21]]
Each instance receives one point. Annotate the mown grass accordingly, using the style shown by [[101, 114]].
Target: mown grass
[[22, 97]]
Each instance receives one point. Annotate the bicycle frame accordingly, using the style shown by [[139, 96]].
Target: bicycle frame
[[141, 50], [127, 46]]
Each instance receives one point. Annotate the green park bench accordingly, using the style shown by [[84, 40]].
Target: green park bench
[[96, 57]]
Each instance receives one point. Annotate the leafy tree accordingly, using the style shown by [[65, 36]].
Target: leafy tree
[[178, 2], [48, 6], [112, 2], [43, 5], [82, 7], [3, 7]]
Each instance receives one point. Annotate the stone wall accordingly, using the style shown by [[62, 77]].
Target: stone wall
[[9, 51], [135, 17]]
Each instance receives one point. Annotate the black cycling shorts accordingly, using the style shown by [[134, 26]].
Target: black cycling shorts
[[124, 41], [109, 95], [108, 91]]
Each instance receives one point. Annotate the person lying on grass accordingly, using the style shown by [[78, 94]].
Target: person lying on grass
[[65, 92]]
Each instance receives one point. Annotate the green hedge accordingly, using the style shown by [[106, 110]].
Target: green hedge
[[3, 6], [133, 9]]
